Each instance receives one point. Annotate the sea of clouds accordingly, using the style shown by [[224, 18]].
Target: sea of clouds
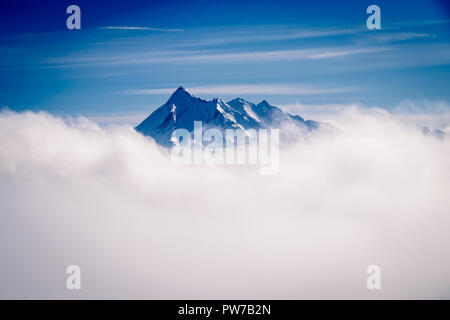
[[111, 201]]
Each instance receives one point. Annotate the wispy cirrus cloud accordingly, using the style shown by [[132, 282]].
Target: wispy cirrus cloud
[[410, 23], [254, 89], [213, 56], [140, 28], [341, 53], [268, 34], [402, 36], [265, 34], [280, 55]]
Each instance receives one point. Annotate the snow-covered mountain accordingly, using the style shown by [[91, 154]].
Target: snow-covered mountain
[[182, 109], [436, 133]]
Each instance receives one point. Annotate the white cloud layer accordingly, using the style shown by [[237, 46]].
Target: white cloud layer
[[432, 114], [110, 201]]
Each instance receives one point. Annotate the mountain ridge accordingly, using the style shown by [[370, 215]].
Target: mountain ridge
[[182, 109]]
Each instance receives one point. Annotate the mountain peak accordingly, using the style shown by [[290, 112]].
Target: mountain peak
[[181, 90], [218, 100], [180, 95], [239, 100], [264, 105]]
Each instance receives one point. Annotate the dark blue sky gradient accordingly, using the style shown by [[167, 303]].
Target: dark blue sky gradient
[[322, 47]]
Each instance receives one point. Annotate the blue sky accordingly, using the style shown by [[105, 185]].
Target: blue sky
[[129, 55]]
